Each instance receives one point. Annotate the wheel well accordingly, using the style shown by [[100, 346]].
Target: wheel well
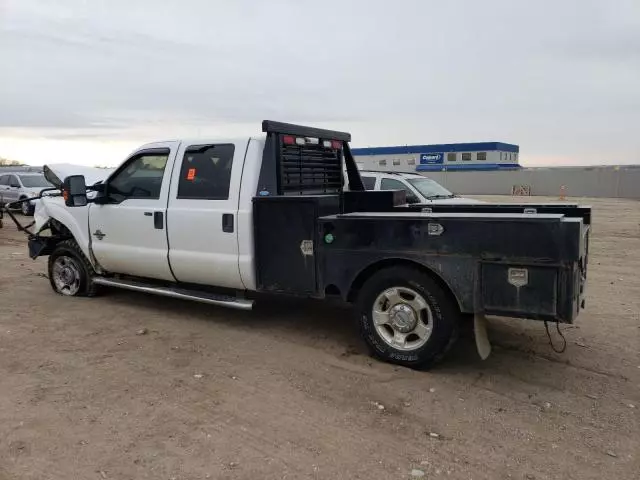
[[59, 233], [365, 274], [58, 228]]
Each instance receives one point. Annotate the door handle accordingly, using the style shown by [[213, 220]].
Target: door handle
[[148, 214], [158, 220], [227, 222]]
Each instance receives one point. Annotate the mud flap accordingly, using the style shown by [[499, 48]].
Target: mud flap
[[37, 246], [482, 338]]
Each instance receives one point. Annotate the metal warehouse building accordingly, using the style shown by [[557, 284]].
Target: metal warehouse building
[[442, 157]]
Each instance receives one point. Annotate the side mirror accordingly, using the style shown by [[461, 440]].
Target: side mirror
[[74, 191], [411, 198]]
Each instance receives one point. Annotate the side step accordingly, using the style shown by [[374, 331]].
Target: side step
[[202, 297]]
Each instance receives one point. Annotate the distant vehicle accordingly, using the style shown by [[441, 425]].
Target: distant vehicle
[[21, 185], [419, 188]]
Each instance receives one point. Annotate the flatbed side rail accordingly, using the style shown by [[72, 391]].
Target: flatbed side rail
[[571, 211]]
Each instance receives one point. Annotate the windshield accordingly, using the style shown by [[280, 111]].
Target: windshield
[[34, 181], [429, 188]]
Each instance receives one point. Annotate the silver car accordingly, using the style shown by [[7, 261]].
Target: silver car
[[18, 185]]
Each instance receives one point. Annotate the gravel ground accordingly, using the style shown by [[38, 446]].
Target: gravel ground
[[129, 386]]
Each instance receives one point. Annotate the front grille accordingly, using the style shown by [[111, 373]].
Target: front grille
[[309, 169]]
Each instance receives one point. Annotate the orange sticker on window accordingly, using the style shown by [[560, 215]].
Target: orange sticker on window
[[191, 174]]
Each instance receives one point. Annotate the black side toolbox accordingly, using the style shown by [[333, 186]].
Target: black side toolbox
[[285, 240], [373, 200]]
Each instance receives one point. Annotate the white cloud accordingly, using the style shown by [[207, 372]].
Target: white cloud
[[558, 78]]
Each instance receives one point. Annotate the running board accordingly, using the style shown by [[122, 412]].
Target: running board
[[202, 297]]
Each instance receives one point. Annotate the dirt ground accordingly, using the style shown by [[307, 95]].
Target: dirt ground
[[288, 391]]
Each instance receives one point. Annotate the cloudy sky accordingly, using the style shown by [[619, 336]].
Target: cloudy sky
[[87, 80]]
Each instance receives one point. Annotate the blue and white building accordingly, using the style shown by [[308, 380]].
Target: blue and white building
[[438, 158]]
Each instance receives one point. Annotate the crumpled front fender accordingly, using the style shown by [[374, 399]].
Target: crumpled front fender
[[75, 219]]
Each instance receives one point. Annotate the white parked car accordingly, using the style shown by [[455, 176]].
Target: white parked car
[[20, 185], [419, 188]]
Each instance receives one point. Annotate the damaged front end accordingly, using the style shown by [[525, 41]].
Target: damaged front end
[[44, 232]]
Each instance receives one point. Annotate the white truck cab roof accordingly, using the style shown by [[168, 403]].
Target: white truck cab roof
[[202, 141]]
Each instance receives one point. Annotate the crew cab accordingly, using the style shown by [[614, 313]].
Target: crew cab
[[222, 220], [418, 188]]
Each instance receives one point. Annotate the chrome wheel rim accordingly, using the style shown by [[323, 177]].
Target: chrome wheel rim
[[25, 208], [402, 318], [66, 275]]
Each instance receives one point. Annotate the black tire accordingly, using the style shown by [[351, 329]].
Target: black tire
[[26, 208], [445, 316], [72, 254]]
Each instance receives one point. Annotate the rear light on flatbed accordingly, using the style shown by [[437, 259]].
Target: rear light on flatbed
[[335, 144], [302, 141]]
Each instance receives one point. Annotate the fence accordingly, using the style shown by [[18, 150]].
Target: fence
[[610, 182]]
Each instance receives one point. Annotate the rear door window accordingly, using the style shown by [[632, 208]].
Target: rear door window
[[206, 172]]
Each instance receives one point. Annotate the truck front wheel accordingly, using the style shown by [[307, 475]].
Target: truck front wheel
[[70, 272], [406, 317]]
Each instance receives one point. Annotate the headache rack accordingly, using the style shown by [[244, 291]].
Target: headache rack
[[300, 160], [309, 169]]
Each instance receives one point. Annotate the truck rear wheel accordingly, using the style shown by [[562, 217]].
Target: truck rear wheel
[[406, 317], [70, 273]]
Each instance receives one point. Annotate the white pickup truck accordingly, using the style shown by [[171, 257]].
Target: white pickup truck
[[219, 220]]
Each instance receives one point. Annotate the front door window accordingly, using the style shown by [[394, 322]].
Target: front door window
[[141, 177]]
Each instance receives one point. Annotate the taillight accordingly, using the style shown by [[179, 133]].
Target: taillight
[[291, 140], [335, 144]]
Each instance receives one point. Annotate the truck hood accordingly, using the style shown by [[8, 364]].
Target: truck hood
[[56, 173]]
